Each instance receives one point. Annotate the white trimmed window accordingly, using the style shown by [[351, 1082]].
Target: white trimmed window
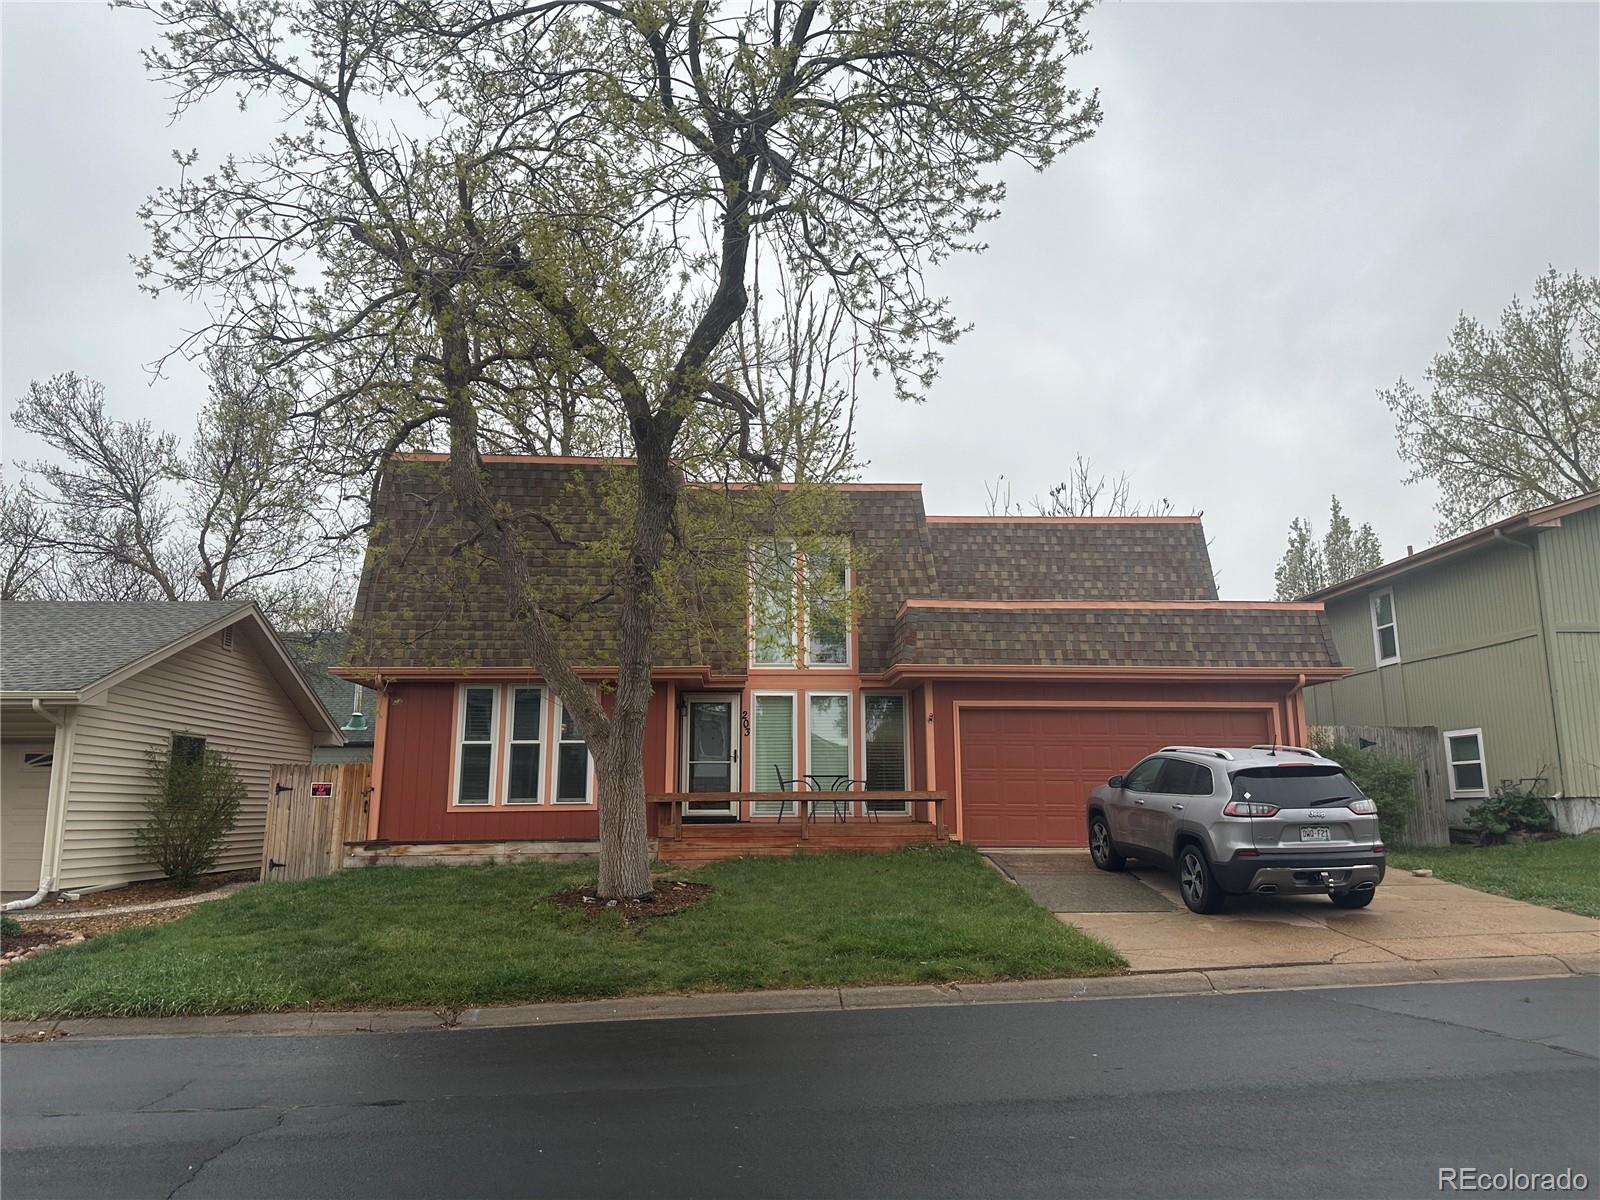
[[884, 733], [799, 604], [772, 757], [1469, 775], [772, 604], [828, 740], [477, 718], [525, 758], [574, 769], [1385, 634]]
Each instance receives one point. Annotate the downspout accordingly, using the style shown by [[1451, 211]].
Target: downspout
[[45, 881], [1297, 710], [1544, 644]]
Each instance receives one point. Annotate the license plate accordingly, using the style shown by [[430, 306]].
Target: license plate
[[1315, 833]]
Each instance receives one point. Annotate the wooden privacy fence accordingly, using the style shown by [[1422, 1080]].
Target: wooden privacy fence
[[1422, 746], [313, 809]]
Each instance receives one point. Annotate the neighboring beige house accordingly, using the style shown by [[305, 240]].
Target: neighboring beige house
[[1493, 637], [87, 687]]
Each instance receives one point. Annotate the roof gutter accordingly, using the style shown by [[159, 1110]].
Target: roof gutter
[[45, 881]]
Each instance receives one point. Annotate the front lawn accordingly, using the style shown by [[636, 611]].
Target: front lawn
[[452, 937], [1561, 874]]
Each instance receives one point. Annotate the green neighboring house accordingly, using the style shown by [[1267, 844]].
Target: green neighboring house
[[1494, 637]]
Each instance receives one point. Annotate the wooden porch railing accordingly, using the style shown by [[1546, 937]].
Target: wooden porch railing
[[672, 805]]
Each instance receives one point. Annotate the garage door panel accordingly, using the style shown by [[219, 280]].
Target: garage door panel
[[1026, 773]]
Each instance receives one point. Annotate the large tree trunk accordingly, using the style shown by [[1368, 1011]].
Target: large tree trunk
[[624, 838]]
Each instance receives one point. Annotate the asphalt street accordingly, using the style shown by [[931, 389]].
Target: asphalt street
[[1358, 1092]]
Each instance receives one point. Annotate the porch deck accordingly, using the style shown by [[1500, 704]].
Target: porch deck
[[817, 822]]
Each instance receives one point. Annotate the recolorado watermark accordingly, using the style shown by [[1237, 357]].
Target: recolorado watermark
[[1472, 1179]]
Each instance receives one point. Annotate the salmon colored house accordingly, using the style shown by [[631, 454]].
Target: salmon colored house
[[997, 669]]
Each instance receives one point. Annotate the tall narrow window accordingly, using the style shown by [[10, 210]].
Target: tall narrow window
[[884, 736], [525, 766], [573, 776], [827, 605], [828, 741], [772, 752], [1385, 635], [772, 633], [475, 745]]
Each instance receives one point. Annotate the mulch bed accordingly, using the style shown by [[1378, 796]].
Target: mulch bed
[[14, 947], [145, 893], [671, 896]]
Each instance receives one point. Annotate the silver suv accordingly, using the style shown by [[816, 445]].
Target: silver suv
[[1269, 820]]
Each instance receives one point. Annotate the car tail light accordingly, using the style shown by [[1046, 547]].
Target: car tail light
[[1249, 808], [1247, 854], [1377, 848], [1363, 806]]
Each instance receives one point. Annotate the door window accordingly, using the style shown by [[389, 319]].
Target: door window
[[1143, 777], [710, 746], [1180, 778]]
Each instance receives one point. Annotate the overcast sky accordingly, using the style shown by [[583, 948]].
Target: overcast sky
[[1285, 209]]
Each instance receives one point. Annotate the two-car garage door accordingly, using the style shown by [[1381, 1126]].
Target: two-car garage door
[[1026, 772]]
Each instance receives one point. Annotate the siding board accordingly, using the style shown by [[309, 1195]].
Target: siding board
[[227, 697]]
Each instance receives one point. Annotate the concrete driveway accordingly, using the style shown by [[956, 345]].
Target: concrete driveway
[[1412, 920]]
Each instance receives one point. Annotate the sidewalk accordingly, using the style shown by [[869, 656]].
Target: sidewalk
[[733, 1004]]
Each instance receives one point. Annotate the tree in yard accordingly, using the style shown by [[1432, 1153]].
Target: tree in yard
[[25, 536], [1344, 552], [469, 197], [126, 513], [1511, 418], [1082, 494]]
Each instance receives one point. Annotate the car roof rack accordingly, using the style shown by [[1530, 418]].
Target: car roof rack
[[1211, 750], [1281, 746]]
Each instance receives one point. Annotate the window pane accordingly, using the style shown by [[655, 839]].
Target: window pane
[[1142, 778], [710, 777], [1469, 777], [569, 727], [478, 718], [1464, 749], [1384, 606], [886, 743], [475, 761], [828, 731], [188, 750], [525, 714], [572, 773], [523, 785], [772, 603], [827, 611], [1388, 646], [772, 761]]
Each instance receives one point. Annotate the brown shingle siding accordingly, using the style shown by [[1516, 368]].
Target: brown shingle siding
[[1038, 559], [1210, 636]]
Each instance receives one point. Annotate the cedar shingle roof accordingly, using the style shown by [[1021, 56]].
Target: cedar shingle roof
[[1213, 635], [429, 598], [1033, 558]]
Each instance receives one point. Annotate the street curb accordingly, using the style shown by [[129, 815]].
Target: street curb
[[1228, 981]]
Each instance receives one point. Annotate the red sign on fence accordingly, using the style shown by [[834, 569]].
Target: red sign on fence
[[321, 789]]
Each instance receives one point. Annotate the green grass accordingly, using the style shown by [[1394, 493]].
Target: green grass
[[1562, 874], [448, 937]]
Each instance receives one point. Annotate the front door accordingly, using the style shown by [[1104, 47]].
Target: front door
[[710, 762]]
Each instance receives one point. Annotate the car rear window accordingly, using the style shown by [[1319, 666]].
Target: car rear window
[[1304, 786]]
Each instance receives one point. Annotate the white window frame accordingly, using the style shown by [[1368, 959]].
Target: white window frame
[[1394, 624], [495, 744], [557, 712], [853, 807], [1482, 760], [796, 649], [905, 715], [795, 718], [510, 691], [803, 615]]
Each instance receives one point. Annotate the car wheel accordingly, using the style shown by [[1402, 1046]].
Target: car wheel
[[1101, 848], [1354, 899], [1196, 882]]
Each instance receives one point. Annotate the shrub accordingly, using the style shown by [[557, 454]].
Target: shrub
[[1510, 810], [1388, 781], [10, 926], [192, 805]]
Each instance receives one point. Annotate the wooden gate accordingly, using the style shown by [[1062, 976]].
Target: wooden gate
[[1423, 747], [313, 809]]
